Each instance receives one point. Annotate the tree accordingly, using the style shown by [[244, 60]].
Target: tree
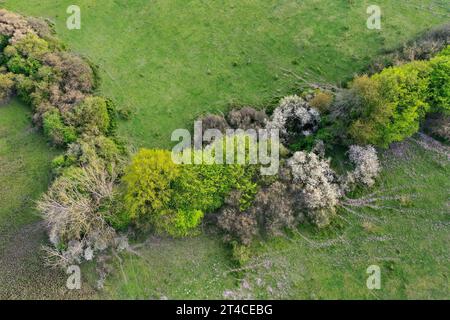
[[148, 182], [391, 104]]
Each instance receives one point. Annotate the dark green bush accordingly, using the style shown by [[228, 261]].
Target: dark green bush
[[20, 65], [54, 128], [91, 116]]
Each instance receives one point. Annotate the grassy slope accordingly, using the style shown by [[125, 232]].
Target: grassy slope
[[407, 238], [173, 59]]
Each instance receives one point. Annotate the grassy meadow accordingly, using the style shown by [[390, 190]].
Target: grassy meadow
[[167, 61]]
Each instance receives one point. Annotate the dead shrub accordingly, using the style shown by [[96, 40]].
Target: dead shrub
[[247, 118]]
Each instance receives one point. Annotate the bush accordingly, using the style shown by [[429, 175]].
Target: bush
[[14, 26], [438, 125], [322, 101], [212, 121], [247, 118], [86, 148], [6, 86], [148, 182], [54, 128], [389, 105], [440, 83], [30, 47], [275, 205], [238, 226], [71, 208], [294, 117], [91, 116], [20, 65], [367, 166], [174, 198], [180, 223], [316, 187], [423, 48], [205, 186]]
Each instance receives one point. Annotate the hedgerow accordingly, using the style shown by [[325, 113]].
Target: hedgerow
[[59, 86]]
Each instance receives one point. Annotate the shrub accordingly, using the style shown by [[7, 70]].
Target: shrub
[[275, 205], [6, 86], [367, 166], [14, 26], [24, 86], [440, 83], [322, 101], [125, 113], [91, 116], [31, 47], [212, 121], [238, 226], [20, 65], [315, 185], [71, 211], [174, 198], [202, 188], [180, 223], [56, 130], [390, 105], [294, 117], [247, 118], [438, 125], [423, 48], [87, 147], [148, 182], [113, 116]]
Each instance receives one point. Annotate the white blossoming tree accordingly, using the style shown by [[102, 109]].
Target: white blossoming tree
[[317, 186], [293, 117]]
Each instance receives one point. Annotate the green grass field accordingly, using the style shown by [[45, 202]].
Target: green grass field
[[170, 61]]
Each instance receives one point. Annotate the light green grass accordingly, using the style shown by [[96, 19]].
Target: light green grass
[[409, 241], [171, 60], [24, 165], [193, 268]]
